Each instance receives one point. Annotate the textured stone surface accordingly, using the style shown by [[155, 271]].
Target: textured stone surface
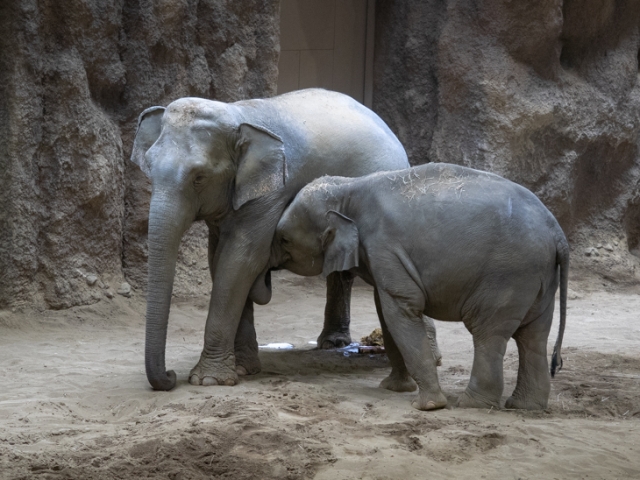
[[74, 76], [545, 93]]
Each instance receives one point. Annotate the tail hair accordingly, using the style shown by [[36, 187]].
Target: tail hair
[[563, 263]]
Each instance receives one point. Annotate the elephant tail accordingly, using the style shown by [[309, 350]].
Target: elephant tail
[[562, 259]]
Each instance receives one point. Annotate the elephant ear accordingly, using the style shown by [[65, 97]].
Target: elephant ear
[[149, 127], [340, 244], [262, 166]]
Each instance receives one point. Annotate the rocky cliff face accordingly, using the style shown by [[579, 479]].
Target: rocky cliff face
[[74, 76], [545, 93]]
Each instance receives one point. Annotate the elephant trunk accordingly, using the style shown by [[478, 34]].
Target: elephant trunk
[[167, 224]]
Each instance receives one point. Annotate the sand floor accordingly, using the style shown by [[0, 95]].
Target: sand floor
[[75, 402]]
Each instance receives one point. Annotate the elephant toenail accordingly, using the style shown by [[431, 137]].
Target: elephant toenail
[[240, 370], [194, 380], [207, 381], [229, 382]]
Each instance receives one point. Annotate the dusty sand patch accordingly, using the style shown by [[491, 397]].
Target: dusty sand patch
[[75, 402]]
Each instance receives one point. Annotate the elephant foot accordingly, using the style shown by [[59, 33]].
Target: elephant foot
[[248, 369], [429, 401], [398, 383], [472, 400], [247, 362], [525, 404], [207, 372], [329, 340]]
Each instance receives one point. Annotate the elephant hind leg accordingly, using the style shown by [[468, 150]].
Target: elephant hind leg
[[489, 345], [335, 333], [431, 333], [486, 382], [534, 382]]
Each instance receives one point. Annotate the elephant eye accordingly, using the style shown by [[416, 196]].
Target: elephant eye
[[199, 179]]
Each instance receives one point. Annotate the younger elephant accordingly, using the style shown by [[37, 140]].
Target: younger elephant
[[449, 242]]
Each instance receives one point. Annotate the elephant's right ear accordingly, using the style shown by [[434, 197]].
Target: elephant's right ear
[[149, 127], [340, 244]]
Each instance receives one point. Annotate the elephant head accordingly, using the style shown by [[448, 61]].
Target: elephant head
[[204, 160], [313, 237]]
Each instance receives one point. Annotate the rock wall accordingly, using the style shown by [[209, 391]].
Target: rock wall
[[545, 93], [74, 76]]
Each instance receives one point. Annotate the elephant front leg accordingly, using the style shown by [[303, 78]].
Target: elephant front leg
[[399, 379], [407, 327], [246, 344], [217, 364], [240, 256], [335, 333]]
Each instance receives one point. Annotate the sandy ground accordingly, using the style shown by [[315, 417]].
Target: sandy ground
[[75, 403]]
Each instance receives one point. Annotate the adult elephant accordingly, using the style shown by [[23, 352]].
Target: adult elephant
[[237, 166]]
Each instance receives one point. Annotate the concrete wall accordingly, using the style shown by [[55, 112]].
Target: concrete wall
[[323, 44]]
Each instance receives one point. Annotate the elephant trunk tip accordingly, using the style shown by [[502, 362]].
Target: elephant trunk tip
[[162, 381]]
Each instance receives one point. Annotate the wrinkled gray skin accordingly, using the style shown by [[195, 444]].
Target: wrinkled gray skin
[[449, 242], [236, 166]]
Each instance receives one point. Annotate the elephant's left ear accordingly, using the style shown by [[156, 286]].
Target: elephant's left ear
[[149, 128], [340, 244], [261, 164]]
